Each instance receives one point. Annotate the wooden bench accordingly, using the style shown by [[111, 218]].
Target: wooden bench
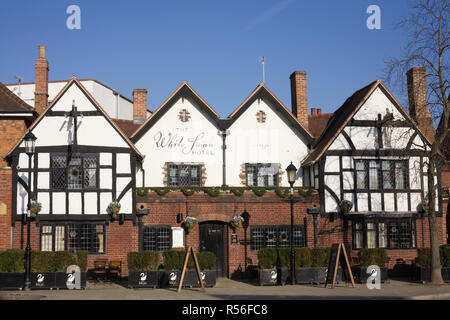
[[100, 268], [115, 267]]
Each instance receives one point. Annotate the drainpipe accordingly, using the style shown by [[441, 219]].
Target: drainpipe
[[224, 134]]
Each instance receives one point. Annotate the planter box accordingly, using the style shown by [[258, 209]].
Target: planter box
[[43, 280], [191, 278], [61, 279], [424, 274], [170, 278], [12, 280], [315, 275], [143, 279], [360, 274], [268, 277]]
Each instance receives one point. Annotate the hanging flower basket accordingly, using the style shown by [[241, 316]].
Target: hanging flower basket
[[346, 206], [236, 222], [189, 223], [114, 208], [35, 208]]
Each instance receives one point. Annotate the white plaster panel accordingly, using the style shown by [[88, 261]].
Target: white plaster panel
[[105, 200], [73, 93], [389, 204], [350, 197], [121, 184], [126, 203], [44, 199], [402, 202], [75, 203], [375, 203], [106, 178], [23, 161], [332, 164], [347, 163], [22, 199], [105, 159], [59, 203], [90, 203], [377, 103], [340, 143], [416, 199], [347, 180], [330, 203], [44, 160], [362, 202], [363, 138], [43, 180], [332, 181], [123, 163], [414, 173]]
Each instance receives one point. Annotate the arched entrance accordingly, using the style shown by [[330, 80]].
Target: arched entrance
[[212, 238]]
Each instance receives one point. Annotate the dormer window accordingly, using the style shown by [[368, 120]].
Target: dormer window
[[261, 116], [184, 115]]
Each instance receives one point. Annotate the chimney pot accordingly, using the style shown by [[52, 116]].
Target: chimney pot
[[418, 104], [139, 105], [319, 111], [313, 111], [299, 98], [41, 52]]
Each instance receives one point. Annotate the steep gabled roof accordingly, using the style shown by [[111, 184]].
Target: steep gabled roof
[[75, 81], [346, 112], [261, 91], [183, 90], [10, 102], [127, 126], [317, 123]]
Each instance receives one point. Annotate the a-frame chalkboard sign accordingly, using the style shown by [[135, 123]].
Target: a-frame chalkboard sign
[[338, 257], [197, 267]]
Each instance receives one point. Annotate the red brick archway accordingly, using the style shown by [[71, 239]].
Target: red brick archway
[[213, 217]]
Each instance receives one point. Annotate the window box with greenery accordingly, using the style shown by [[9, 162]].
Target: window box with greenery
[[143, 269], [367, 258], [12, 268], [423, 262], [173, 265]]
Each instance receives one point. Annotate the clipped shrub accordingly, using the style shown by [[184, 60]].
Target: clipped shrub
[[303, 258], [373, 256], [284, 258], [445, 255], [61, 260], [267, 258], [423, 258], [42, 261], [82, 260], [173, 259], [141, 261], [206, 260], [320, 257], [12, 260]]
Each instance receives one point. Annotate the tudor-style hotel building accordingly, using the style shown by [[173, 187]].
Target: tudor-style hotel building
[[370, 152]]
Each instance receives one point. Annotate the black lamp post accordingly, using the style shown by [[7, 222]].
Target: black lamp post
[[292, 173], [30, 140]]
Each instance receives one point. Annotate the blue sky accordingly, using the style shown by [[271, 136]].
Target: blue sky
[[213, 45]]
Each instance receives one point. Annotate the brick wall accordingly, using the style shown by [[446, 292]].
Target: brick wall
[[11, 130], [5, 207]]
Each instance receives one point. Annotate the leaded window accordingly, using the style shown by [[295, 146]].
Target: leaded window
[[261, 174], [381, 174], [77, 171], [89, 237], [53, 238], [157, 238], [384, 233], [275, 237], [184, 175]]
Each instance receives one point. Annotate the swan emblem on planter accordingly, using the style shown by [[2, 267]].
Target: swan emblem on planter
[[373, 273], [203, 276], [273, 275], [143, 276], [40, 278], [173, 276], [70, 278]]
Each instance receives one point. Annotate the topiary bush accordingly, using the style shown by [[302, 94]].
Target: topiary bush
[[142, 261], [12, 260], [61, 260], [284, 258], [173, 259], [206, 260], [423, 258], [373, 256], [320, 257], [82, 260], [445, 255], [42, 261], [303, 258], [267, 258]]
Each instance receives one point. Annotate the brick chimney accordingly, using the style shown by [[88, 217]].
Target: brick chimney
[[298, 96], [41, 82], [139, 105], [418, 105]]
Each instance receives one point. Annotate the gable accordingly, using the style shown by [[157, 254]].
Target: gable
[[54, 127]]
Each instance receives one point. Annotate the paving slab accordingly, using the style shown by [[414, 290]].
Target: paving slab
[[227, 289]]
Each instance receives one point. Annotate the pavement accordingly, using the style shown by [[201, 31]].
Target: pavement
[[227, 289]]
